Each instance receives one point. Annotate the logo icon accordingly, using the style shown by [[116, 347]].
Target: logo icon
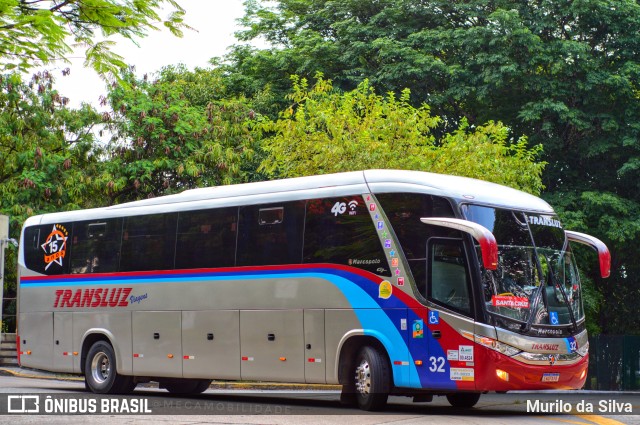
[[23, 404], [434, 318], [553, 318], [339, 208], [55, 247]]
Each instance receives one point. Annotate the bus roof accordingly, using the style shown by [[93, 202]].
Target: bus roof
[[459, 189]]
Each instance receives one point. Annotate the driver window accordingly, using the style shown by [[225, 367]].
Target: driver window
[[448, 282]]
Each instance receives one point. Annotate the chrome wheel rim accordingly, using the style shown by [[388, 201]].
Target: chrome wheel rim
[[100, 368], [363, 377]]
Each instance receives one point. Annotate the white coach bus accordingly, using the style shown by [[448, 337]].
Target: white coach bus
[[386, 282]]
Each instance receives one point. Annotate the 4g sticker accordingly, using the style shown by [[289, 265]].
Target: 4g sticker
[[340, 208]]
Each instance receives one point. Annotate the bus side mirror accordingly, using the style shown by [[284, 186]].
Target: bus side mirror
[[488, 244], [603, 252]]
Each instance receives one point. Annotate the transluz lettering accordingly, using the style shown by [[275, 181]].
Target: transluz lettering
[[545, 347], [544, 221], [93, 298]]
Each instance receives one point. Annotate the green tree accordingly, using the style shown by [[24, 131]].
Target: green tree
[[48, 159], [325, 131], [566, 74], [34, 33], [174, 132], [47, 154]]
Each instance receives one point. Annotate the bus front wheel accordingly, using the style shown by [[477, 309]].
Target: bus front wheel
[[463, 400], [371, 379], [100, 371]]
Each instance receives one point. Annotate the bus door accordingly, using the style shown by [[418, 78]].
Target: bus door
[[450, 361]]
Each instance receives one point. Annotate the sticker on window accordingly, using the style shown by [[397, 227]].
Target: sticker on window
[[509, 301], [55, 246]]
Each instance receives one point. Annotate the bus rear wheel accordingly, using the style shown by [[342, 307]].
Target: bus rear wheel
[[100, 371], [463, 400], [371, 379], [187, 386]]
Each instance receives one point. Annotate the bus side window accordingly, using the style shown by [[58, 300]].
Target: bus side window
[[271, 234], [207, 238], [96, 246], [341, 231], [448, 282], [148, 242], [31, 246], [47, 248], [404, 211]]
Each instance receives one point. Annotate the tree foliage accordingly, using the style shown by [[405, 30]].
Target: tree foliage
[[34, 33], [48, 159], [47, 152], [325, 131], [565, 74], [174, 132]]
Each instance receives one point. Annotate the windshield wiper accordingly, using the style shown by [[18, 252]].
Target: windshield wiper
[[534, 305], [556, 284]]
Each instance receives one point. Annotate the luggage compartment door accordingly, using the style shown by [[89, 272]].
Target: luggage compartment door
[[272, 345], [211, 344], [157, 343]]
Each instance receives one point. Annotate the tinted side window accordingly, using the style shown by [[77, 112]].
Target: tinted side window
[[271, 234], [96, 246], [207, 238], [148, 242], [30, 245], [448, 279], [340, 231], [404, 211], [46, 248]]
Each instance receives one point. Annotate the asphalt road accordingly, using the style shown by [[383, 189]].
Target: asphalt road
[[225, 406]]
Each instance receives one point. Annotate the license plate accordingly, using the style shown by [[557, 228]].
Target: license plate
[[550, 377]]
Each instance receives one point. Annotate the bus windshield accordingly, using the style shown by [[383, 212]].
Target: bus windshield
[[536, 281]]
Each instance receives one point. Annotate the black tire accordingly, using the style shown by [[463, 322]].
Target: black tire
[[463, 400], [100, 372], [187, 386], [202, 386], [372, 379]]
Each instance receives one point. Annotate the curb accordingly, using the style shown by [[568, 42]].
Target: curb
[[20, 374], [231, 385]]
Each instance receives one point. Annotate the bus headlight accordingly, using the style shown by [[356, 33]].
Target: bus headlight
[[583, 350], [493, 344]]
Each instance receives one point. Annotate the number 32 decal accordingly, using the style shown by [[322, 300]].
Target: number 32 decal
[[437, 364]]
